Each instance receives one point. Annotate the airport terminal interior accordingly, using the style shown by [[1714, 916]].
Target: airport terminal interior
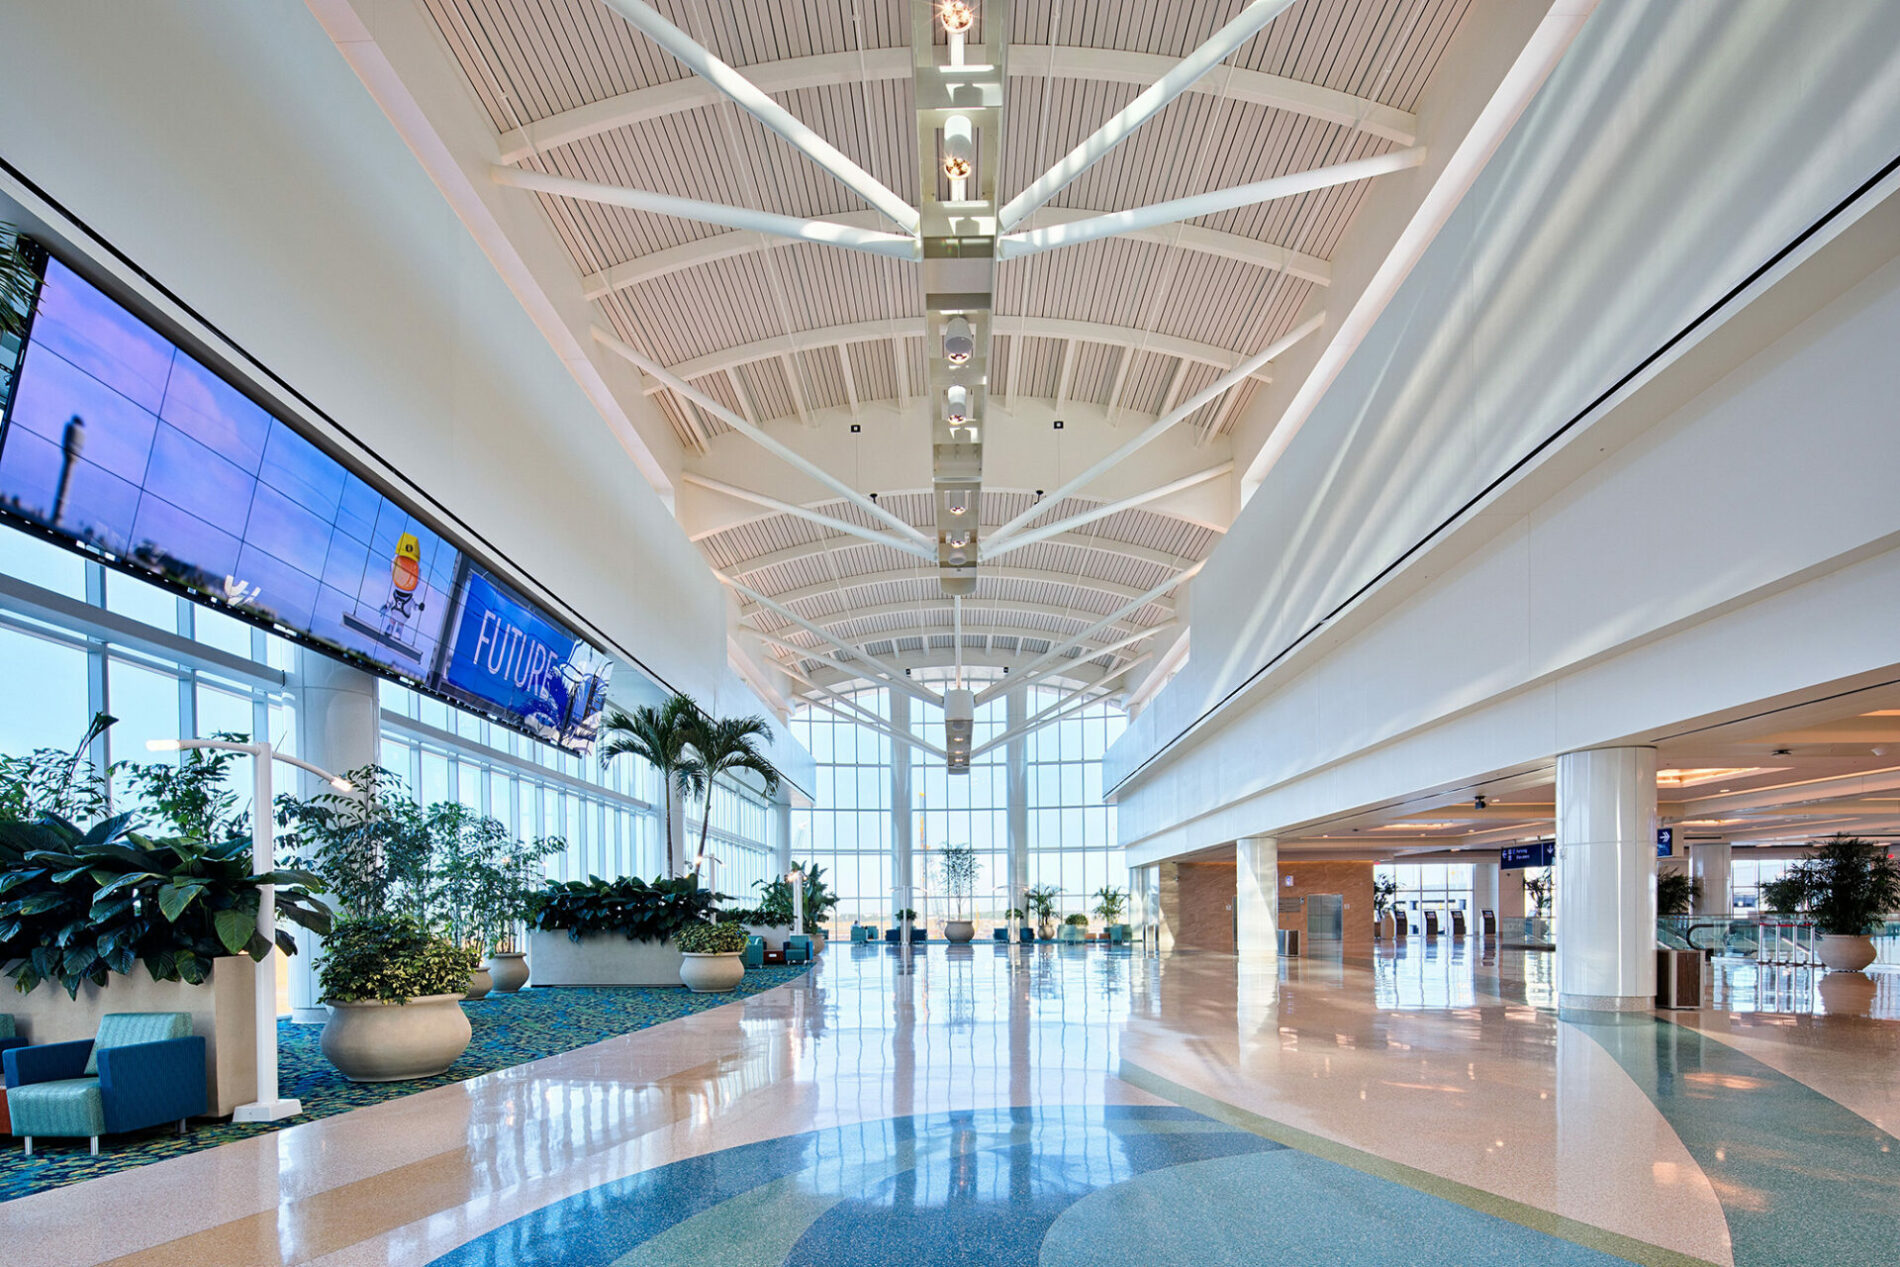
[[950, 633]]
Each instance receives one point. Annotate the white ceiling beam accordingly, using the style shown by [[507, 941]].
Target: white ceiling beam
[[1091, 653], [872, 722], [1174, 387], [1032, 536], [1113, 618], [757, 435], [1155, 430], [1001, 572], [1121, 377], [1068, 368], [1091, 693], [831, 545], [1520, 83], [1187, 237], [867, 331], [1071, 667], [1026, 61], [938, 604], [1118, 223], [1150, 102], [810, 516], [894, 676], [750, 98], [850, 383], [739, 394], [901, 362], [825, 232], [796, 386]]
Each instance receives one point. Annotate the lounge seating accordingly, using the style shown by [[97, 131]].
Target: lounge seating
[[797, 949], [9, 1039], [143, 1069], [753, 956]]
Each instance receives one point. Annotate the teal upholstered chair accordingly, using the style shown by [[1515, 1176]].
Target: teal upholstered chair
[[753, 956], [797, 949], [143, 1069]]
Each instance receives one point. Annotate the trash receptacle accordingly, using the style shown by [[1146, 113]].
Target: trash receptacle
[[1289, 941], [1678, 979]]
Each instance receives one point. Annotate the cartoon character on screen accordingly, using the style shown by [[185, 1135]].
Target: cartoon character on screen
[[405, 578]]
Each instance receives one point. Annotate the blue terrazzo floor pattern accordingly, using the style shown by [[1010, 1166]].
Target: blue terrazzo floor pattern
[[1064, 1186], [508, 1030]]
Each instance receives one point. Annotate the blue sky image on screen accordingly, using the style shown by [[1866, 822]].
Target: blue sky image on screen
[[173, 469]]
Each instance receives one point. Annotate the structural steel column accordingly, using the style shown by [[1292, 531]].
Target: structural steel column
[[1257, 897], [1016, 761], [903, 890], [339, 727], [1606, 879]]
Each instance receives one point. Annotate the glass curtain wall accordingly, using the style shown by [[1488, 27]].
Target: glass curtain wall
[[1072, 840], [848, 831], [1429, 886], [77, 639], [1071, 834], [970, 809], [131, 649]]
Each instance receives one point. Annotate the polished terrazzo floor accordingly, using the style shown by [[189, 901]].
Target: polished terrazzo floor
[[1061, 1106]]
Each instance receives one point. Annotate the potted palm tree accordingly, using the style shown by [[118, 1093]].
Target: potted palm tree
[[721, 746], [956, 867], [1109, 902], [657, 734], [1040, 902], [1677, 893], [1846, 886], [710, 960]]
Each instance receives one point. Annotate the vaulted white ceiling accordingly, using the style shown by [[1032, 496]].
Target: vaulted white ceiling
[[804, 342]]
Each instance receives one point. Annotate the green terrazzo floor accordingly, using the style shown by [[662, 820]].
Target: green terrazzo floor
[[508, 1030]]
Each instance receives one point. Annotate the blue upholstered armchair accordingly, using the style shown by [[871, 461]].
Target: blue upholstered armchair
[[797, 949], [143, 1069]]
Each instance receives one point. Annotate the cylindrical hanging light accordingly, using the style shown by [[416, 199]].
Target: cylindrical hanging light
[[959, 344], [959, 147], [958, 400]]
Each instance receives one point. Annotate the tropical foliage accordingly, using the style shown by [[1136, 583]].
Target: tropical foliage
[[632, 907], [724, 746], [1385, 894], [1040, 902], [711, 939], [1109, 903], [389, 959], [18, 278], [658, 734], [481, 878], [1676, 893], [78, 904], [1846, 886], [371, 846], [956, 870]]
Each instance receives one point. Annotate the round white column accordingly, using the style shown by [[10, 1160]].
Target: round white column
[[339, 728], [1484, 894], [1257, 897], [1709, 863], [1606, 879]]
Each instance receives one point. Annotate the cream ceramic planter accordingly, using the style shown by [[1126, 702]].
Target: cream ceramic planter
[[959, 931], [711, 974], [509, 970], [479, 984], [395, 1042], [1846, 953]]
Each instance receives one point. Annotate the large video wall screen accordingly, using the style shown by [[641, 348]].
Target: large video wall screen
[[121, 442]]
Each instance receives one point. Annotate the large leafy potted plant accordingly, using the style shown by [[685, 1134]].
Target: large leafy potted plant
[[119, 919], [1676, 893], [1040, 902], [391, 985], [520, 878], [1109, 904], [619, 932], [956, 869], [1846, 886], [710, 960], [394, 991]]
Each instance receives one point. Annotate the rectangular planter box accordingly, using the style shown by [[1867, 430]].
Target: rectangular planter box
[[222, 1013], [553, 959]]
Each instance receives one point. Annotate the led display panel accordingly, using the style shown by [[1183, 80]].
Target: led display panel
[[508, 655], [120, 442]]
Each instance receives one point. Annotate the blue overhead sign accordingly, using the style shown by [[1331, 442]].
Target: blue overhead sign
[[1516, 857], [1665, 841], [508, 655]]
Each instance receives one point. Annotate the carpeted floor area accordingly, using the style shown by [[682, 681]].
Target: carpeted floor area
[[508, 1030]]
